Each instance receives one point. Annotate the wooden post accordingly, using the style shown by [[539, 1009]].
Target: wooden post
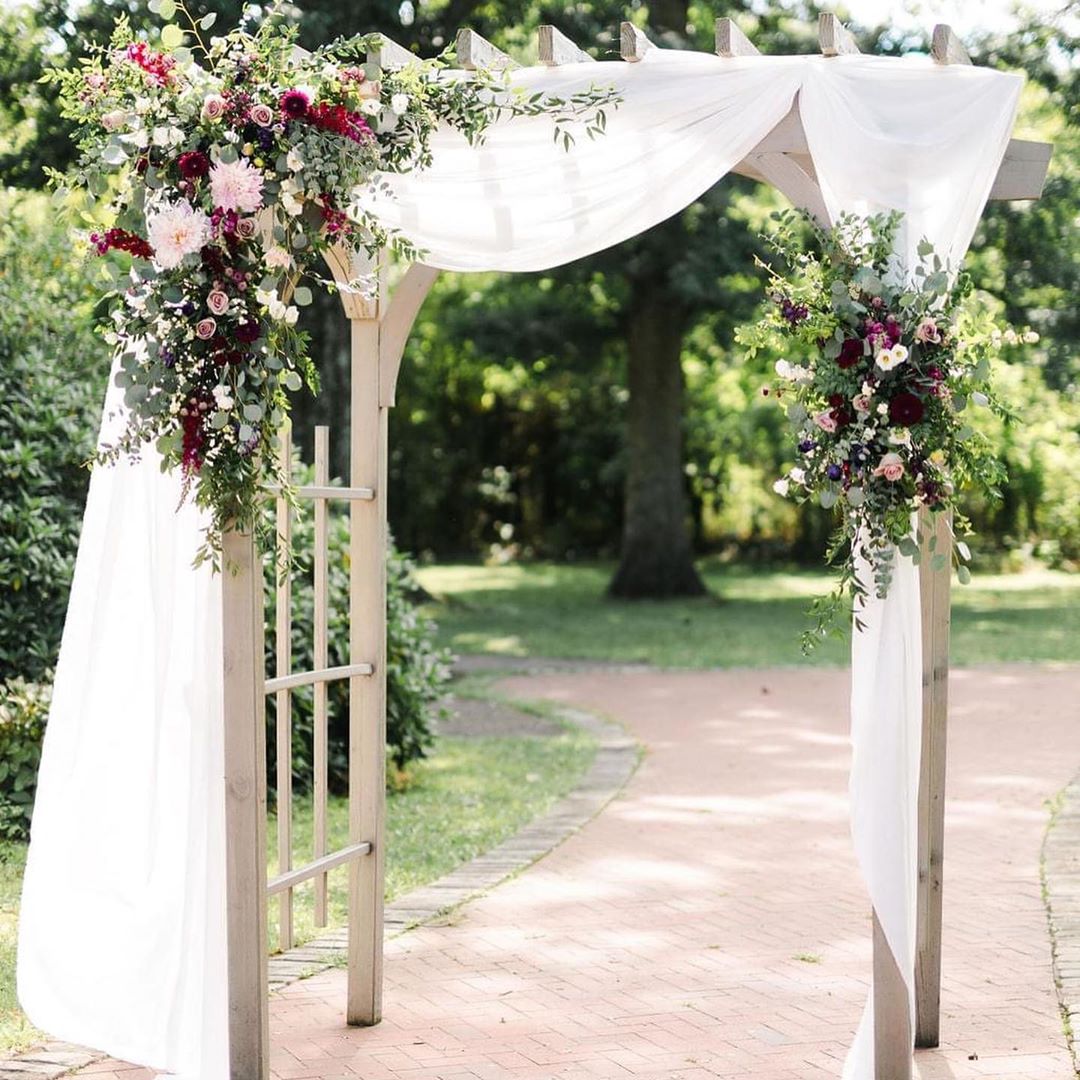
[[283, 698], [245, 807], [322, 660], [934, 586], [367, 642], [892, 1027]]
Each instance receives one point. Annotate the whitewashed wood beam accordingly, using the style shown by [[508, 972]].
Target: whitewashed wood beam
[[947, 48], [834, 37], [474, 52], [633, 44], [789, 177], [557, 49], [390, 55], [1022, 172], [731, 41]]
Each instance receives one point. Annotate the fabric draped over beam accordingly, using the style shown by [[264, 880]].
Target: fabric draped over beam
[[122, 939]]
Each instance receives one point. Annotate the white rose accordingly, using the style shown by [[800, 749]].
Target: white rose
[[781, 486], [294, 160], [371, 106], [291, 315], [222, 398], [399, 103], [797, 475]]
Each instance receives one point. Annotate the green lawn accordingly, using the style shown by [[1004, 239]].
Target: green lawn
[[753, 619], [468, 797], [472, 794]]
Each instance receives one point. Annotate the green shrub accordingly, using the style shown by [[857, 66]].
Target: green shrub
[[53, 370], [416, 670], [24, 709]]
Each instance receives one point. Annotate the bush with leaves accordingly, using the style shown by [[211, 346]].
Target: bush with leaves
[[53, 370], [24, 709], [416, 670]]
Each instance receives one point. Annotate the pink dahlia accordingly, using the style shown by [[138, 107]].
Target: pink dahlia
[[236, 185], [175, 230]]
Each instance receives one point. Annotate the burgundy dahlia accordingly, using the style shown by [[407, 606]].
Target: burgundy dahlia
[[294, 104], [193, 165], [906, 409], [851, 352], [247, 332]]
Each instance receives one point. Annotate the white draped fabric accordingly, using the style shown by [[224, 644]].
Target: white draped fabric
[[122, 940]]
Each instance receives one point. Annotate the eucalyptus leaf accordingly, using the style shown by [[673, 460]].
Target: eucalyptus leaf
[[827, 498], [166, 9], [302, 296], [171, 35], [964, 574]]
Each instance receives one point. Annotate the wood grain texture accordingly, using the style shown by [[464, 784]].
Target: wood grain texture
[[367, 696], [245, 807], [946, 47], [935, 591], [731, 41], [320, 735], [555, 48], [834, 37]]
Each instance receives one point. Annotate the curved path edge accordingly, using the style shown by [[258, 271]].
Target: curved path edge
[[617, 757], [1061, 891]]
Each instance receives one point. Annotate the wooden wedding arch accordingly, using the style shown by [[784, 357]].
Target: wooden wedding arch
[[380, 326]]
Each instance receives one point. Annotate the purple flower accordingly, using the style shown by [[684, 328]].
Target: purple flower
[[794, 313], [834, 472], [806, 446]]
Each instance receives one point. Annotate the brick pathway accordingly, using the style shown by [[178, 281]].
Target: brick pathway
[[710, 922]]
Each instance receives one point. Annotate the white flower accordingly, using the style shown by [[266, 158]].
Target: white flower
[[900, 437], [277, 258], [887, 359], [400, 103], [781, 487], [175, 230], [236, 185], [292, 313], [113, 120], [294, 159], [1011, 336], [290, 203], [167, 136], [793, 372], [329, 71], [265, 296], [371, 106], [868, 389], [222, 398], [883, 409], [797, 475], [1030, 337]]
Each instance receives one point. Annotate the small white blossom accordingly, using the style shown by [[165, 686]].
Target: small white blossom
[[400, 103], [371, 107], [222, 398], [781, 487], [797, 475], [295, 160], [1030, 337]]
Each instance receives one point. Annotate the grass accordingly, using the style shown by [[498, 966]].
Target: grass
[[751, 619], [468, 797], [15, 1029], [472, 794]]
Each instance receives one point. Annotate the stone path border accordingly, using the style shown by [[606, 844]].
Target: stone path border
[[617, 756], [1061, 890]]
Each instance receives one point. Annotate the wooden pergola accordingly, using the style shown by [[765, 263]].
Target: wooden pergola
[[380, 326]]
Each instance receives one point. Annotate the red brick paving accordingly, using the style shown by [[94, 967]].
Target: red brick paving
[[710, 923]]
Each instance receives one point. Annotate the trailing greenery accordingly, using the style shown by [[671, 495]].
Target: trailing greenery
[[52, 381], [24, 709], [417, 671]]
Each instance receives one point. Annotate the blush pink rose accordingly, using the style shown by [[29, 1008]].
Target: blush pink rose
[[206, 329], [891, 467], [246, 228], [825, 421], [213, 107], [861, 403], [927, 331], [218, 302], [262, 115]]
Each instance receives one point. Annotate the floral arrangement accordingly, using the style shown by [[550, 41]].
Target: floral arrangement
[[223, 168], [889, 365]]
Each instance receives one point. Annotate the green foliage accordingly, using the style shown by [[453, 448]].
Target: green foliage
[[24, 711], [52, 378], [417, 671]]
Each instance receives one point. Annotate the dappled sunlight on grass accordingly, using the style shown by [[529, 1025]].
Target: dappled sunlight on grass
[[752, 618]]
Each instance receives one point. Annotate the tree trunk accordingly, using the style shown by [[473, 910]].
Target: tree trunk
[[656, 559]]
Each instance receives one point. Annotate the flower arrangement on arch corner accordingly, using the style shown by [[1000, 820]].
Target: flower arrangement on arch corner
[[886, 370], [224, 167]]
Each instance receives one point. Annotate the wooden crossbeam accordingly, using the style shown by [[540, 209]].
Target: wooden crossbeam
[[731, 41], [633, 44], [834, 37], [391, 55], [556, 48], [947, 48], [474, 52]]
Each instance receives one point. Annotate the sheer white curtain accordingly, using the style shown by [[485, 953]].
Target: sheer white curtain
[[122, 938]]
